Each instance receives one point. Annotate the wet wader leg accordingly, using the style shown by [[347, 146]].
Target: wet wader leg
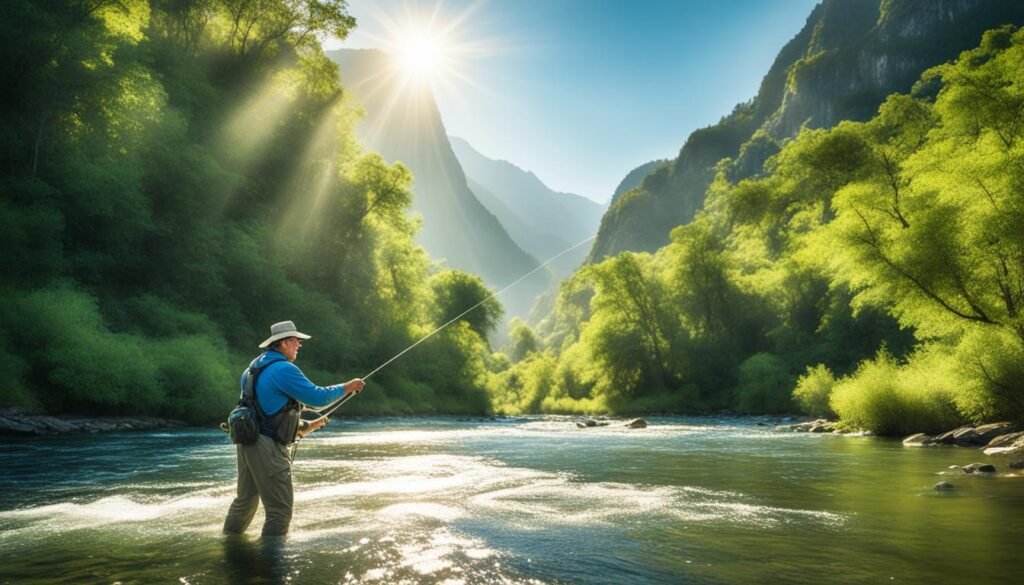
[[272, 471], [243, 508]]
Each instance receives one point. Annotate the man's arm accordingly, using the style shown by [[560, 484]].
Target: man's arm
[[294, 383]]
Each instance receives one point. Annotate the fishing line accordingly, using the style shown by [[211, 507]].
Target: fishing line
[[326, 411]]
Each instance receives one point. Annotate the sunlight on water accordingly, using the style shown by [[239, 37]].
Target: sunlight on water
[[387, 502]]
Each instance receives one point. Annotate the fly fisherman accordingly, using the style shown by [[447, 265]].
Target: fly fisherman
[[265, 467]]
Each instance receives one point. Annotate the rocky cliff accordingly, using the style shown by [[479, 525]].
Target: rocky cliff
[[849, 56]]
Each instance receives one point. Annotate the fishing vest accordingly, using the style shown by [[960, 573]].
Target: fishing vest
[[283, 427]]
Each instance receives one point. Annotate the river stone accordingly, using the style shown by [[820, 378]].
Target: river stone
[[815, 426], [1013, 449], [985, 433], [1017, 464], [949, 437], [637, 423], [919, 440], [943, 485], [10, 426], [965, 437], [979, 468], [57, 425], [1005, 440]]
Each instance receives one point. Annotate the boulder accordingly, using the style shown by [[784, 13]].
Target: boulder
[[1017, 464], [815, 426], [965, 437], [919, 440], [949, 437], [979, 468], [57, 425], [1005, 440], [590, 423], [12, 426], [985, 433], [637, 423], [1013, 449], [942, 485]]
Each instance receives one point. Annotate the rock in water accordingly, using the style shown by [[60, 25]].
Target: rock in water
[[942, 485], [637, 423], [949, 437], [979, 468], [985, 433], [918, 440]]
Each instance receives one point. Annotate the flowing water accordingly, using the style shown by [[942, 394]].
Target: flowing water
[[528, 500]]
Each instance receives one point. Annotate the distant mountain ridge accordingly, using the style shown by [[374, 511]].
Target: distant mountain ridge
[[544, 222], [848, 58], [404, 125]]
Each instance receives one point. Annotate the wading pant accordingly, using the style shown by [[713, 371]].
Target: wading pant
[[264, 475]]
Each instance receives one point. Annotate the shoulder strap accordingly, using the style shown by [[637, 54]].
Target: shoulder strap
[[249, 390]]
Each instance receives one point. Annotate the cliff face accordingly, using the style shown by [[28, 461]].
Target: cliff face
[[849, 56], [404, 125]]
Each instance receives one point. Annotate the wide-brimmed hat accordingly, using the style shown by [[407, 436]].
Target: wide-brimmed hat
[[282, 330]]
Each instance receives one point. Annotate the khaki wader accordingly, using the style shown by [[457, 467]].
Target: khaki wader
[[264, 475]]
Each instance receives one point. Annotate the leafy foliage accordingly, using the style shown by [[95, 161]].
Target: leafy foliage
[[180, 174], [899, 238]]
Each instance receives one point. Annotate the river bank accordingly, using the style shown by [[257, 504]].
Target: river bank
[[19, 422]]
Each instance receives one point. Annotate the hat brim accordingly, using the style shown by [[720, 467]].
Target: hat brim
[[266, 343]]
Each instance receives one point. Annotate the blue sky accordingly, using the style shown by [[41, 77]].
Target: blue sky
[[582, 91]]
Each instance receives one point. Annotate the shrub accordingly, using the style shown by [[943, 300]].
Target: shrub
[[889, 399], [813, 391], [83, 365]]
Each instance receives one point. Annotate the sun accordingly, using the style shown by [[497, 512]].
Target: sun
[[419, 55]]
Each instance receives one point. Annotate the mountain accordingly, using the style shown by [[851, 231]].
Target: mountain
[[849, 56], [402, 122], [634, 177], [544, 222]]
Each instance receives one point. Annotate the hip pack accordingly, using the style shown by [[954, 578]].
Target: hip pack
[[247, 419]]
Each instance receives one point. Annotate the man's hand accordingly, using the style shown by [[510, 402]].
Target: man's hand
[[312, 425], [354, 386]]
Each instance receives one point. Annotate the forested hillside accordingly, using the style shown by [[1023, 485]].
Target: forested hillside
[[877, 267], [842, 65], [178, 175]]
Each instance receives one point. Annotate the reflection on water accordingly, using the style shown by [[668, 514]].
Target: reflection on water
[[531, 500]]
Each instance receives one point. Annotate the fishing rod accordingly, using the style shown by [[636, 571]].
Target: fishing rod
[[327, 410]]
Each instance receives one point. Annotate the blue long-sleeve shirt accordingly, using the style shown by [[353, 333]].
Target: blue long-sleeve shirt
[[282, 380]]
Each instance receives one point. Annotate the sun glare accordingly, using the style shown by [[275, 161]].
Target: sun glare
[[419, 55]]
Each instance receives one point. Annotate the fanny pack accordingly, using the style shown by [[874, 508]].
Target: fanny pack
[[245, 420]]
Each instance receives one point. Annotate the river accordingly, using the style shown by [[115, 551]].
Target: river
[[523, 500]]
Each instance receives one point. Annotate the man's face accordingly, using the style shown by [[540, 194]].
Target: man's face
[[290, 348]]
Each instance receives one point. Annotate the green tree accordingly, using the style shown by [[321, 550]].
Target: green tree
[[523, 340], [463, 296]]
